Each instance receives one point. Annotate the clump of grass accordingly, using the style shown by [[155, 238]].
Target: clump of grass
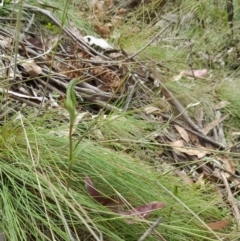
[[36, 204], [228, 91]]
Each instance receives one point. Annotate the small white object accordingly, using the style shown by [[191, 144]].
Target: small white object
[[1, 4], [99, 42]]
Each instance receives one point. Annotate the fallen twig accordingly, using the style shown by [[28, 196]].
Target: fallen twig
[[231, 198], [81, 42], [200, 135], [150, 229], [131, 90], [181, 110], [50, 87]]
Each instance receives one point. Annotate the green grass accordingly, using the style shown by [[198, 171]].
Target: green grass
[[229, 91], [36, 203], [119, 152]]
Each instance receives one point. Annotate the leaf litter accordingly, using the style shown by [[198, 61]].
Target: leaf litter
[[108, 75]]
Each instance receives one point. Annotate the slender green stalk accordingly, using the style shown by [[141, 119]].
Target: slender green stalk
[[70, 104], [70, 157]]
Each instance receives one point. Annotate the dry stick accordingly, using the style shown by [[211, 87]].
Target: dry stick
[[28, 102], [230, 173], [56, 21], [80, 42], [56, 80], [200, 135], [30, 23], [130, 96], [93, 88], [150, 229], [57, 74], [182, 111], [50, 87], [5, 33], [97, 102], [28, 50], [221, 135], [231, 199], [170, 97], [92, 93]]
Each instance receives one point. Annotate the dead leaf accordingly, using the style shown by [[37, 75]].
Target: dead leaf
[[194, 139], [182, 133], [199, 73], [103, 29], [236, 183], [52, 42], [109, 3], [142, 212], [221, 104], [36, 42], [99, 12], [200, 181], [152, 110], [110, 80], [227, 165], [213, 124], [95, 194], [219, 224], [31, 67], [178, 146], [5, 42], [193, 104], [121, 11], [184, 177], [116, 21], [216, 174], [178, 77], [98, 134]]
